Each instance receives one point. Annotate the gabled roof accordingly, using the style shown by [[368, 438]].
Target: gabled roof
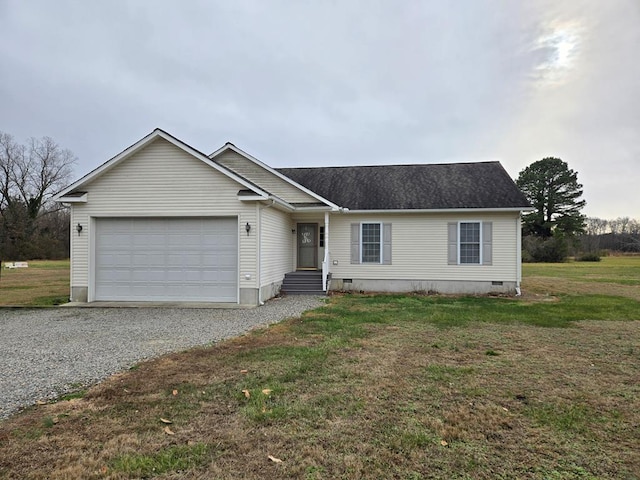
[[484, 185], [230, 146], [455, 186], [64, 195]]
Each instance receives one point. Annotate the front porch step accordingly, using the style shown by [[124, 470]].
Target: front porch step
[[319, 293], [303, 283]]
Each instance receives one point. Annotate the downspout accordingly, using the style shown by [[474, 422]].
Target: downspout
[[518, 255], [325, 261], [260, 302]]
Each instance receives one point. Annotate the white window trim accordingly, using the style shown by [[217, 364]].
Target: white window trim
[[480, 243], [381, 241]]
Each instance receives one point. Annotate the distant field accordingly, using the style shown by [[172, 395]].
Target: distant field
[[44, 282], [618, 276]]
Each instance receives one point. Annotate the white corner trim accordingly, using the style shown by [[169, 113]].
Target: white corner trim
[[230, 146]]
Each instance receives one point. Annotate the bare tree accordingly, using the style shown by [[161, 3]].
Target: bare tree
[[33, 173], [30, 175]]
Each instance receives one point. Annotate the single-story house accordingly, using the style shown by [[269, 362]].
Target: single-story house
[[162, 221]]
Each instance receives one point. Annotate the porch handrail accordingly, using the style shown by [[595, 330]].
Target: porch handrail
[[325, 270]]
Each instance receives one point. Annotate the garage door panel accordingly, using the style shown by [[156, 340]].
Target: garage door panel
[[149, 275], [112, 276], [221, 240], [115, 259], [149, 241], [185, 242], [218, 277], [147, 259], [167, 259], [219, 261]]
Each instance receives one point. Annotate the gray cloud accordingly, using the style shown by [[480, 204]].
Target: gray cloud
[[329, 83]]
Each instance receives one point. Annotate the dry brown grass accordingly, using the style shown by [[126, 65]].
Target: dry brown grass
[[369, 387], [44, 282]]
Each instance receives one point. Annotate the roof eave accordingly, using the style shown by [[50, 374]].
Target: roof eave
[[72, 198], [444, 210]]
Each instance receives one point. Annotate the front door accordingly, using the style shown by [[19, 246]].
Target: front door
[[307, 245]]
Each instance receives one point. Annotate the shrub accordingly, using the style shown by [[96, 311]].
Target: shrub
[[589, 257], [537, 249]]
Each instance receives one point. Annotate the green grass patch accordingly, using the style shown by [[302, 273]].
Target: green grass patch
[[460, 311], [179, 458], [47, 422], [73, 395], [51, 300], [618, 270], [571, 418]]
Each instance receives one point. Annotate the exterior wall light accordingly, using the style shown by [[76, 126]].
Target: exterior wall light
[[247, 227], [79, 228]]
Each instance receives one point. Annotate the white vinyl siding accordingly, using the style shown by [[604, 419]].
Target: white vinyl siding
[[162, 180], [262, 177], [277, 243], [420, 243]]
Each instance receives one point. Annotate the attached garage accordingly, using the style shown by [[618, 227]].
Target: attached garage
[[166, 259]]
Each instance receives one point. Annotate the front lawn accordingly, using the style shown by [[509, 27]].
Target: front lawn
[[410, 387]]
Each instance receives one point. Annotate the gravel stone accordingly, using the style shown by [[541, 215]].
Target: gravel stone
[[46, 353]]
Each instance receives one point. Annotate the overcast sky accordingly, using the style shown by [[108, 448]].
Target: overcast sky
[[316, 83]]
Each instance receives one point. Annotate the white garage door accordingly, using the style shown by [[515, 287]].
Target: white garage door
[[166, 259]]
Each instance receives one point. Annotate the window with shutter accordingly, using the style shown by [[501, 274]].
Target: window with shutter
[[371, 243], [470, 243]]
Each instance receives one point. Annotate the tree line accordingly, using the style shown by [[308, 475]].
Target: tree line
[[621, 234], [32, 226]]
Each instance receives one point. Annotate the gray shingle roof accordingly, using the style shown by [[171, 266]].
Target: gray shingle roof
[[427, 186]]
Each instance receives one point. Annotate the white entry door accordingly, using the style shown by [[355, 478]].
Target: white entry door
[[166, 259]]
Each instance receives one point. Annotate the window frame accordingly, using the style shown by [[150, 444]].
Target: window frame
[[380, 243], [479, 242]]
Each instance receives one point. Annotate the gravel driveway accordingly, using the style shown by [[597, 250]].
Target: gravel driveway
[[45, 353]]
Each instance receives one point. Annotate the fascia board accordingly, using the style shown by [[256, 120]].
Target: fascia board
[[445, 210], [315, 209], [73, 199]]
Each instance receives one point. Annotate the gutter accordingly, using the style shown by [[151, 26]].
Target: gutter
[[443, 210]]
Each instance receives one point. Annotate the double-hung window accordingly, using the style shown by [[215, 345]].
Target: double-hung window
[[470, 242], [371, 243]]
